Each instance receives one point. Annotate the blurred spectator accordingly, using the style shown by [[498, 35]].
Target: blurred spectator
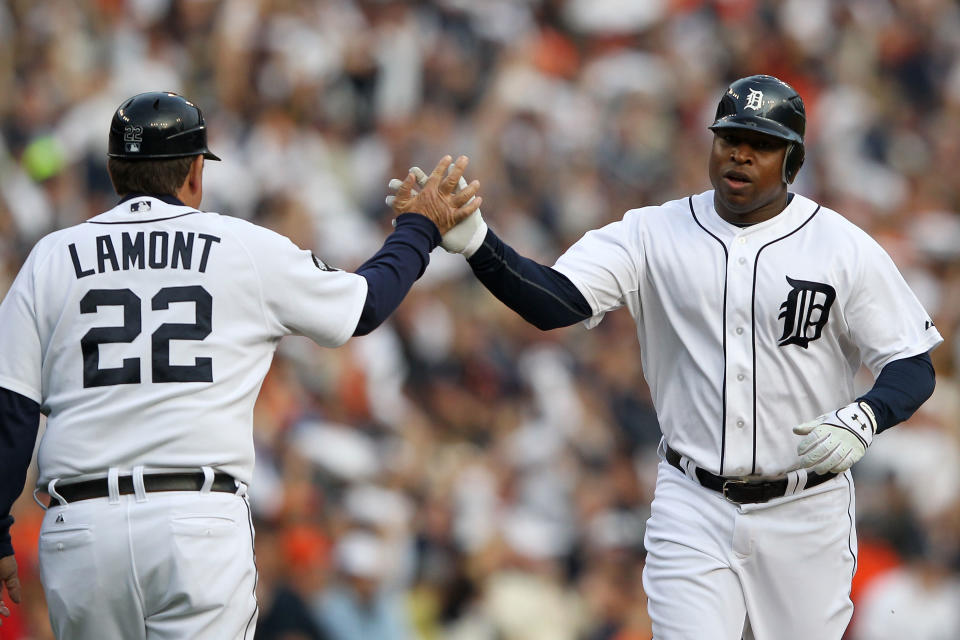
[[356, 604], [282, 566], [917, 600]]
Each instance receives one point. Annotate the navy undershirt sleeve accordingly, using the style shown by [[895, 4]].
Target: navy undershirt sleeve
[[902, 386], [393, 269], [542, 296], [19, 423]]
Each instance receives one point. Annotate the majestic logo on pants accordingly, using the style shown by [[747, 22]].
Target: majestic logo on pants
[[805, 312]]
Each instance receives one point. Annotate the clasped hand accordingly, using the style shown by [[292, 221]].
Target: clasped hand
[[467, 236], [439, 198]]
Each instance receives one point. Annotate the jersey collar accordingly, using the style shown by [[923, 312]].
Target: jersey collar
[[162, 197], [797, 212], [143, 208]]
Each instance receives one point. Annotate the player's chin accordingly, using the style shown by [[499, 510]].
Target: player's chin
[[739, 199]]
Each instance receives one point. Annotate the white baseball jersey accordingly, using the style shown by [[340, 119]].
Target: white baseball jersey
[[146, 332], [748, 332]]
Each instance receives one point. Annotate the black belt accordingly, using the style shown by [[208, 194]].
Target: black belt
[[745, 491], [88, 489]]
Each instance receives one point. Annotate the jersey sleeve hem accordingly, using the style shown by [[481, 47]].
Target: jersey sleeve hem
[[588, 295], [929, 343], [18, 387], [354, 317]]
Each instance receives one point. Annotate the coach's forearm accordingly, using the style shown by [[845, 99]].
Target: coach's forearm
[[902, 386], [542, 296], [19, 422], [395, 267]]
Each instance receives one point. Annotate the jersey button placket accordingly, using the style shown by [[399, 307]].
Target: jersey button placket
[[738, 446]]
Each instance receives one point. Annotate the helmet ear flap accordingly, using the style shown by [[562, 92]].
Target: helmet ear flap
[[792, 161]]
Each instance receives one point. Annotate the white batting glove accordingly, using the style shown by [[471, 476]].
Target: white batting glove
[[464, 238], [394, 184], [834, 441]]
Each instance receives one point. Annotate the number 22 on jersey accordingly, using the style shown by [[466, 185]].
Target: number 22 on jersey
[[160, 368]]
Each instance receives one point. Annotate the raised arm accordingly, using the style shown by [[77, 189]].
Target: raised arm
[[541, 295], [424, 215]]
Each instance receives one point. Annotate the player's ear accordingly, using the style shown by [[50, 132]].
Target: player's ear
[[196, 171], [191, 191]]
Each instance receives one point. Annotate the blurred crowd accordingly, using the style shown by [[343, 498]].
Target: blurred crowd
[[459, 474]]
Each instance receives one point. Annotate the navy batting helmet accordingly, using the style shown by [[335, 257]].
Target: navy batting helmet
[[158, 124], [767, 105]]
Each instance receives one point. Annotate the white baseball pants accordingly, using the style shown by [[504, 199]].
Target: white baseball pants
[[775, 571], [175, 565]]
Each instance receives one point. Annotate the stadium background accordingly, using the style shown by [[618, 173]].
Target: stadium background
[[485, 480]]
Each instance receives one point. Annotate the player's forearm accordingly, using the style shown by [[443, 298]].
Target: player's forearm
[[395, 267], [542, 296], [902, 386], [19, 421]]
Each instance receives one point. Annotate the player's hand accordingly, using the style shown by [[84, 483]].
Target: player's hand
[[467, 236], [439, 199], [834, 441], [10, 581]]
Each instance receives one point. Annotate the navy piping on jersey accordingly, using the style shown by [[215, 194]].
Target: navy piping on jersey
[[723, 334], [138, 221], [753, 328], [846, 476], [162, 197], [256, 571]]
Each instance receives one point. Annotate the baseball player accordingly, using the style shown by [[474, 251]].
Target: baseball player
[[755, 307], [144, 335]]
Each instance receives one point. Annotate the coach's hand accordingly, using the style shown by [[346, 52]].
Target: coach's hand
[[834, 441], [464, 238], [10, 581], [439, 199]]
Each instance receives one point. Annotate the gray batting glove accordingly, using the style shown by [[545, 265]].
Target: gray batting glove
[[835, 441], [464, 238]]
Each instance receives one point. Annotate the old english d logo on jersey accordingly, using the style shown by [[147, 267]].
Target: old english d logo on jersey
[[805, 312]]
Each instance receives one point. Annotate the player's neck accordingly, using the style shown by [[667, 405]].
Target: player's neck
[[753, 216]]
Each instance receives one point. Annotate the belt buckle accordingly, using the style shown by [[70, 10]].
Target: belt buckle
[[737, 482]]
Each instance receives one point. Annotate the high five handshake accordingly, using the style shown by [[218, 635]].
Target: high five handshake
[[467, 235], [444, 196]]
